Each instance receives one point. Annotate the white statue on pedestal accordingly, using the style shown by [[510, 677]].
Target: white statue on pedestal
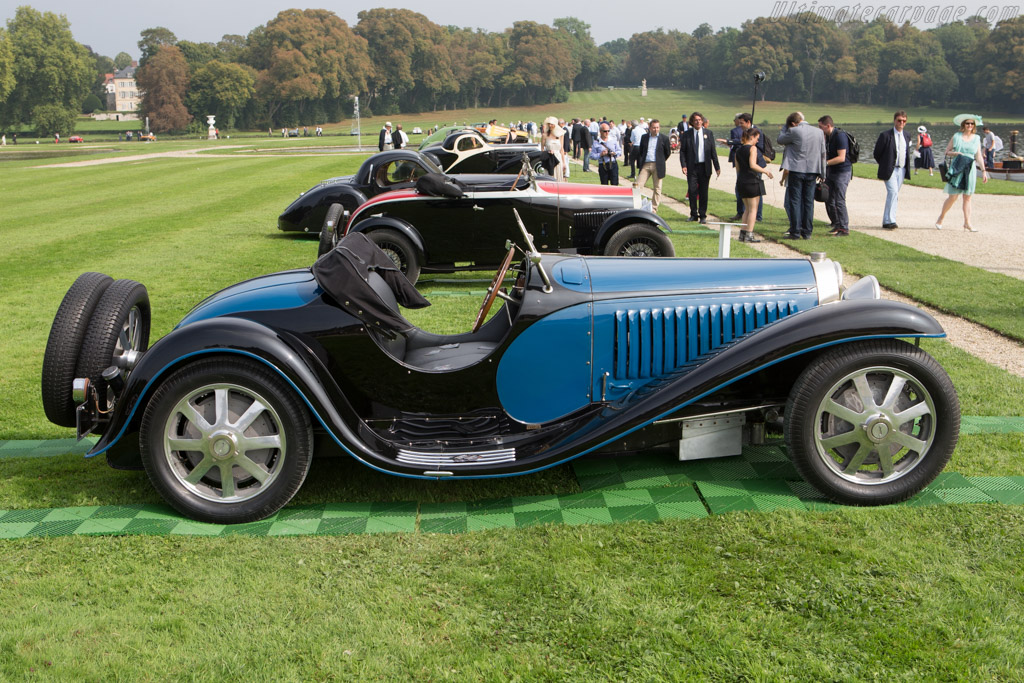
[[643, 88], [211, 132]]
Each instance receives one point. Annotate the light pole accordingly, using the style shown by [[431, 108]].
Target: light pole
[[758, 78]]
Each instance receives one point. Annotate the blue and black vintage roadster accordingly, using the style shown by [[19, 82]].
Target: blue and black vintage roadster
[[586, 354]]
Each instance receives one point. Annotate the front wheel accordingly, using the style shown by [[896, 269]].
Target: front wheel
[[639, 239], [226, 441], [872, 423], [399, 249]]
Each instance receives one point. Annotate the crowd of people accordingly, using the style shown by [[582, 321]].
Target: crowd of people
[[816, 164]]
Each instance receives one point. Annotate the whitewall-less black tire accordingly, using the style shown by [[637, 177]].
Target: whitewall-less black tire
[[872, 422]]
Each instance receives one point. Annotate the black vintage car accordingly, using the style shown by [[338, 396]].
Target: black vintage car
[[442, 233], [392, 170]]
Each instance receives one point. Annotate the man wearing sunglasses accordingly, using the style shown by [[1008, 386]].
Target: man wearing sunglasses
[[892, 152]]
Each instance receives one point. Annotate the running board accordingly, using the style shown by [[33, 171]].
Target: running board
[[463, 459]]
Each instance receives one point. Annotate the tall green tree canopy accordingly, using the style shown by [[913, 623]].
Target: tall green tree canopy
[[220, 89], [151, 40], [122, 60], [50, 67], [6, 66]]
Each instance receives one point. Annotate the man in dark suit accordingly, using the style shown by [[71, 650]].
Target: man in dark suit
[[697, 156], [576, 128], [892, 152], [586, 142], [654, 152], [385, 141]]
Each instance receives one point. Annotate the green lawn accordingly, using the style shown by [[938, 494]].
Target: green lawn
[[896, 593]]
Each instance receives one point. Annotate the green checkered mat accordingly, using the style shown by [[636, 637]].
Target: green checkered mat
[[365, 518], [606, 506], [45, 448]]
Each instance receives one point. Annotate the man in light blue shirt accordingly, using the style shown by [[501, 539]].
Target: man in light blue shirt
[[606, 152]]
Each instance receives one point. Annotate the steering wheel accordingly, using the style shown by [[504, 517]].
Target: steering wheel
[[492, 291]]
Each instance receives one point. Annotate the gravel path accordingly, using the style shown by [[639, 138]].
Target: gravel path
[[998, 246]]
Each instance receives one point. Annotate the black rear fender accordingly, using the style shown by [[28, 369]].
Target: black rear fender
[[307, 213], [377, 222], [621, 219], [234, 337]]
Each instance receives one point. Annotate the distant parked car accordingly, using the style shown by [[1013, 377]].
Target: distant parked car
[[417, 131], [148, 137], [293, 133], [75, 138]]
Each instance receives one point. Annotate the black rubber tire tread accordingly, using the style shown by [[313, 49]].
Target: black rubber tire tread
[[330, 229], [827, 368], [108, 318], [634, 230], [295, 423], [60, 360], [412, 265]]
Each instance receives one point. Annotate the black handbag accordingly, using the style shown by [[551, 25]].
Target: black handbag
[[821, 192], [944, 172]]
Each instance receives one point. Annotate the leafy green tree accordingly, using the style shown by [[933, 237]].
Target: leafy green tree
[[1000, 60], [540, 61], [649, 56], [49, 67], [197, 54], [589, 61], [220, 89], [163, 81], [231, 48], [122, 60], [91, 104], [478, 60], [6, 66], [309, 64], [151, 39], [48, 119], [412, 67], [101, 67]]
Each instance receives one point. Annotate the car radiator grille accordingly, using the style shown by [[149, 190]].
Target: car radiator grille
[[585, 225], [652, 342]]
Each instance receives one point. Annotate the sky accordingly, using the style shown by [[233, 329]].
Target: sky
[[113, 26]]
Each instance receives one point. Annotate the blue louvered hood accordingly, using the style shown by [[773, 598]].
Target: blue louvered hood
[[645, 319]]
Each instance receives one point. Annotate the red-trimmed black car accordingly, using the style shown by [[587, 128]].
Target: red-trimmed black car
[[422, 232]]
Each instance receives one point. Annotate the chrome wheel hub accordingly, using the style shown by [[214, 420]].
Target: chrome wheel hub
[[224, 443], [875, 425]]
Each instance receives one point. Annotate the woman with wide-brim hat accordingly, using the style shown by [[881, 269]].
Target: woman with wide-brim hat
[[963, 157], [551, 142]]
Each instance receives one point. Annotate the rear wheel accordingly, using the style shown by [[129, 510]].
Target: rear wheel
[[872, 423], [118, 330], [639, 239], [65, 345], [329, 230], [399, 249], [226, 441]]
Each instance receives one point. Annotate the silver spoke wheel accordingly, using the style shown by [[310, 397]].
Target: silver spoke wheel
[[640, 247], [224, 443], [875, 425]]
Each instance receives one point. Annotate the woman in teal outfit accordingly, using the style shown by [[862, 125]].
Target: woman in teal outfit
[[963, 157]]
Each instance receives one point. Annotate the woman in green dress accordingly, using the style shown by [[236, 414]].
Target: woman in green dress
[[963, 157]]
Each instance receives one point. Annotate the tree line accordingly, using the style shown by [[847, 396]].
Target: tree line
[[304, 66]]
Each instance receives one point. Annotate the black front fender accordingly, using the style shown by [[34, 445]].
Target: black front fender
[[792, 340], [282, 352], [621, 219]]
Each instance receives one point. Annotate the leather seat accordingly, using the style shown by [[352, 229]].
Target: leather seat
[[424, 350]]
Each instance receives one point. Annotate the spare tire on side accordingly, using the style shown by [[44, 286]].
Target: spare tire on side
[[119, 325], [330, 229], [65, 345]]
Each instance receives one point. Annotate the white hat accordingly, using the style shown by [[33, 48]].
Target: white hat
[[387, 124], [922, 129]]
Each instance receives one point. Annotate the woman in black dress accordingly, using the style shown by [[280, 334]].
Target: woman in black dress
[[749, 185]]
